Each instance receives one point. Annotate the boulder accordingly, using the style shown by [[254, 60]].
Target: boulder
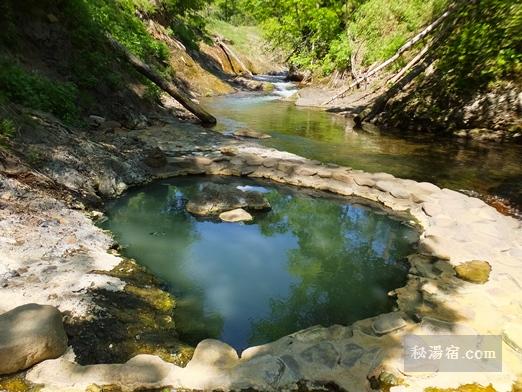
[[96, 121], [30, 334], [213, 353], [475, 271], [214, 199], [244, 132], [237, 215]]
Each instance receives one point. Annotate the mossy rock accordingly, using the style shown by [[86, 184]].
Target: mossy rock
[[138, 320], [464, 388], [268, 87], [475, 271], [155, 297], [17, 384]]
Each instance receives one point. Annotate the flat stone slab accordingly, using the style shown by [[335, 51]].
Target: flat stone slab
[[30, 334], [237, 215], [388, 322]]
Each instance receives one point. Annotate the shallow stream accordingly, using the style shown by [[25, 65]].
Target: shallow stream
[[490, 169]]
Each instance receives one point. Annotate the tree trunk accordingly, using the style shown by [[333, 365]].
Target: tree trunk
[[380, 103], [169, 87], [408, 45], [232, 56], [410, 64]]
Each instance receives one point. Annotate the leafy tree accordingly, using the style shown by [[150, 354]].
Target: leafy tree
[[322, 35]]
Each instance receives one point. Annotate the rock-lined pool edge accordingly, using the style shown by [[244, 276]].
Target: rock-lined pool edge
[[455, 229]]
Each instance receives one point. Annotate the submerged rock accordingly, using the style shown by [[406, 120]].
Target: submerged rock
[[244, 132], [30, 334], [214, 199], [237, 215], [475, 271]]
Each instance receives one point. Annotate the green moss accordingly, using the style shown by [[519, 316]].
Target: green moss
[[157, 298], [464, 388], [17, 384], [138, 320]]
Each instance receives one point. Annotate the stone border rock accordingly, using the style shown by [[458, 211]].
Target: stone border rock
[[368, 354]]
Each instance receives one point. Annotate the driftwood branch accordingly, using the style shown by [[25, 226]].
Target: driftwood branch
[[401, 79], [410, 64], [380, 103], [165, 85], [408, 45]]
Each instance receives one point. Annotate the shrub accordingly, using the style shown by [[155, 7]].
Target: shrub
[[7, 130], [36, 91]]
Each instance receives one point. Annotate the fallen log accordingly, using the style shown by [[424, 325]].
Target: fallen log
[[169, 87], [232, 56], [410, 64], [408, 45], [417, 65], [379, 104]]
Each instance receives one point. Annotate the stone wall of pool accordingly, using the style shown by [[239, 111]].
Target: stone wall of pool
[[466, 279]]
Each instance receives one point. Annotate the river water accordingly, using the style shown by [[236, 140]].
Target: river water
[[490, 169]]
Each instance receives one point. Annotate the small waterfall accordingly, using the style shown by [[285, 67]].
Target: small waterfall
[[282, 88]]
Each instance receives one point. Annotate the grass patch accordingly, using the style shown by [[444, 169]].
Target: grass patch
[[36, 91], [242, 36]]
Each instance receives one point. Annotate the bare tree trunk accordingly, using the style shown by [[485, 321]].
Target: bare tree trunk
[[232, 56], [169, 87], [380, 103], [410, 64], [428, 30], [401, 80]]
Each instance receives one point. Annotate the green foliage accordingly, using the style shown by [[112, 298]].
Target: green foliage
[[485, 46], [236, 12], [7, 130], [91, 67], [36, 91], [323, 35], [92, 61]]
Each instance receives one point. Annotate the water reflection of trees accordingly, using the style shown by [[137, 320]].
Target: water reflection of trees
[[346, 263], [159, 234]]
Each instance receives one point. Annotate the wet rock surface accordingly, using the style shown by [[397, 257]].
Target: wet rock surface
[[30, 334], [249, 133], [237, 215], [214, 199]]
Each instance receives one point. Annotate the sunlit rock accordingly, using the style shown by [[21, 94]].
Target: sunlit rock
[[30, 334]]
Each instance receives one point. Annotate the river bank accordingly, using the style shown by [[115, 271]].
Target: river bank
[[44, 205], [492, 116]]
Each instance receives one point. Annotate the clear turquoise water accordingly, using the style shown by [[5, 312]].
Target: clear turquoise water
[[310, 260]]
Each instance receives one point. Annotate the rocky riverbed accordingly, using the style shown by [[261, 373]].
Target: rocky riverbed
[[52, 253]]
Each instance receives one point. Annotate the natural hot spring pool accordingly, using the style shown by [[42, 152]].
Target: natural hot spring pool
[[309, 260]]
